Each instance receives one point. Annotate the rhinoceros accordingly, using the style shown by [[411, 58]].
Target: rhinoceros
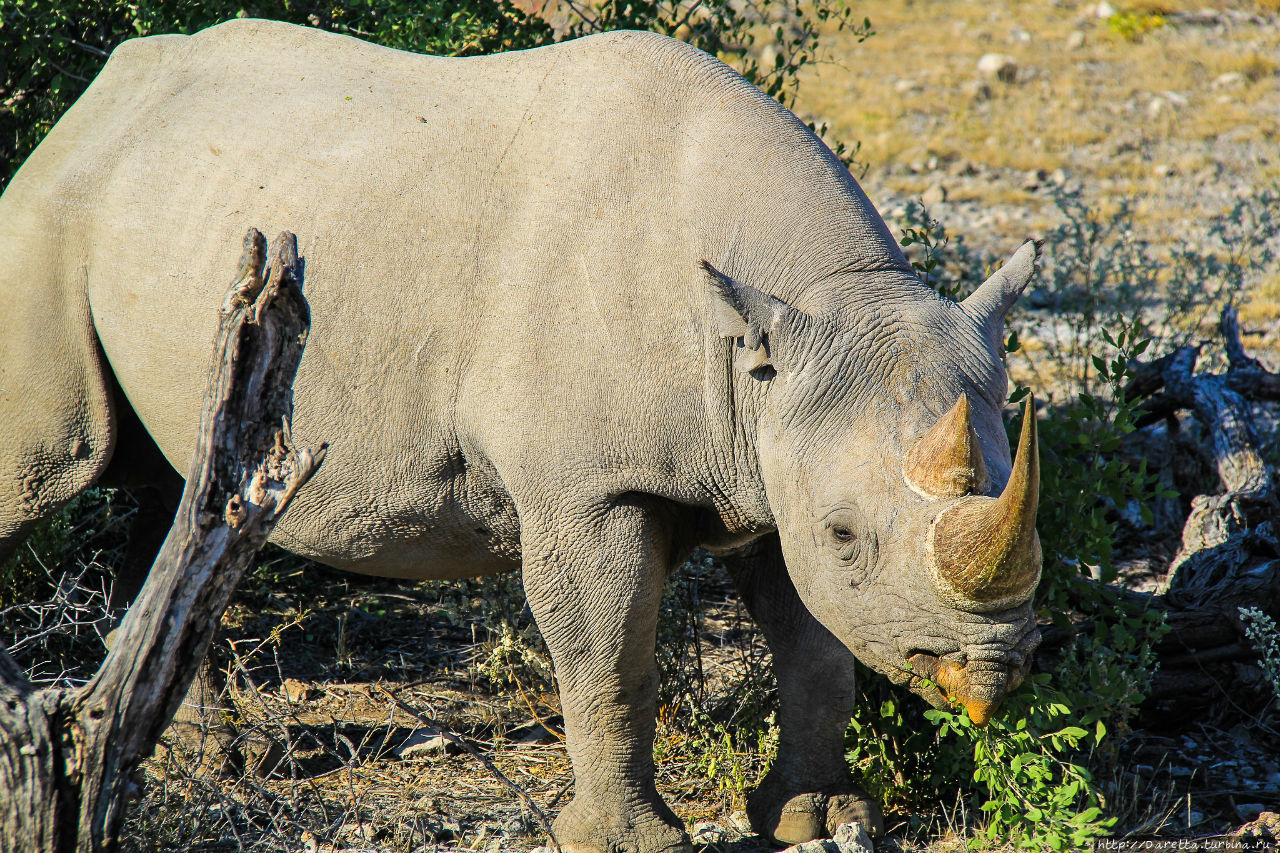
[[575, 312]]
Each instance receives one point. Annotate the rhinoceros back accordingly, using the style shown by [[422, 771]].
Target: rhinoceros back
[[501, 260]]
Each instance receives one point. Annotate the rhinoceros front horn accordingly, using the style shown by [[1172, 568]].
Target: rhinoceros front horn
[[984, 552], [947, 461]]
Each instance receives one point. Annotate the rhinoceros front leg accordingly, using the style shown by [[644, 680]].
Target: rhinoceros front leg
[[808, 792], [594, 581]]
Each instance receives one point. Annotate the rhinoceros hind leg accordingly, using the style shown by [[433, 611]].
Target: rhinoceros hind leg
[[594, 579], [808, 792], [56, 430]]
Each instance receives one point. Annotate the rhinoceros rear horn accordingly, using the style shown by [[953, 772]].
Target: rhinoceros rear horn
[[947, 461], [984, 552], [755, 318], [995, 296]]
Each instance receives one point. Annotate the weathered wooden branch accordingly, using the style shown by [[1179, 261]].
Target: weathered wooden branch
[[67, 757], [1229, 555]]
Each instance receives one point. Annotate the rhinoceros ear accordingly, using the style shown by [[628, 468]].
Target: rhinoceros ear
[[993, 299], [755, 318]]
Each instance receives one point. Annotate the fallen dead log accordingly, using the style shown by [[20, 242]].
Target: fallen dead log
[[1229, 556], [68, 756]]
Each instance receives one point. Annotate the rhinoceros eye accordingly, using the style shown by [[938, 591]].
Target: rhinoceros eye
[[847, 536]]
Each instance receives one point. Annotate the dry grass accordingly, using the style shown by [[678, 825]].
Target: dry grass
[[909, 93]]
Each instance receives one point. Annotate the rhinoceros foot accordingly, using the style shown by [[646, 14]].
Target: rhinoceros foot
[[789, 818], [647, 828]]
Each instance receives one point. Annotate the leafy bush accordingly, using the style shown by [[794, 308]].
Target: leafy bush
[[1132, 26], [1039, 794], [1032, 764], [1262, 632]]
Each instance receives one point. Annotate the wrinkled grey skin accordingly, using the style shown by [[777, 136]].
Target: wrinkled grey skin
[[518, 359]]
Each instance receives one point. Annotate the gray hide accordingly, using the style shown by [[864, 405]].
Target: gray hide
[[521, 362]]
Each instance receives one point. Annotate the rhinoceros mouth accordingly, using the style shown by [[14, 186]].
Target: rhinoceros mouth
[[979, 686]]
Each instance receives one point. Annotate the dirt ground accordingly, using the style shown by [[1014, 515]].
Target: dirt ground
[[1178, 121]]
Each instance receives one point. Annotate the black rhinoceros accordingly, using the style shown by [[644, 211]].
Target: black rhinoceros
[[575, 311]]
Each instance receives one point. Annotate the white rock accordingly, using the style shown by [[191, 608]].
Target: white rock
[[424, 743], [849, 838], [935, 195], [1158, 106], [1075, 41], [977, 90], [853, 838], [1104, 10], [1250, 811], [1230, 80], [999, 66], [707, 833], [905, 85], [742, 823]]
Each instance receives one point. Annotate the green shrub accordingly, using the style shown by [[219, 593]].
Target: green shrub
[[1265, 636], [1132, 26], [1032, 765]]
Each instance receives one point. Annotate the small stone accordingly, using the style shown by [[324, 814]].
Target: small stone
[[935, 195], [1230, 80], [539, 735], [977, 90], [1075, 40], [740, 821], [1104, 10], [425, 743], [906, 85], [1059, 176], [356, 831], [852, 838], [1163, 170], [263, 757], [998, 66], [818, 846], [1034, 178], [707, 833], [540, 850], [1158, 106], [1017, 34], [295, 690], [1250, 811]]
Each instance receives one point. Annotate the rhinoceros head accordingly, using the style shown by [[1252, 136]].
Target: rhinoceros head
[[906, 528]]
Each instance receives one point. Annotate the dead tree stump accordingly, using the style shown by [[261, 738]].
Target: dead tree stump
[[1229, 555], [67, 757]]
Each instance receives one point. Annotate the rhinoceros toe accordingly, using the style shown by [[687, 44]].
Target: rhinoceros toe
[[798, 818]]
